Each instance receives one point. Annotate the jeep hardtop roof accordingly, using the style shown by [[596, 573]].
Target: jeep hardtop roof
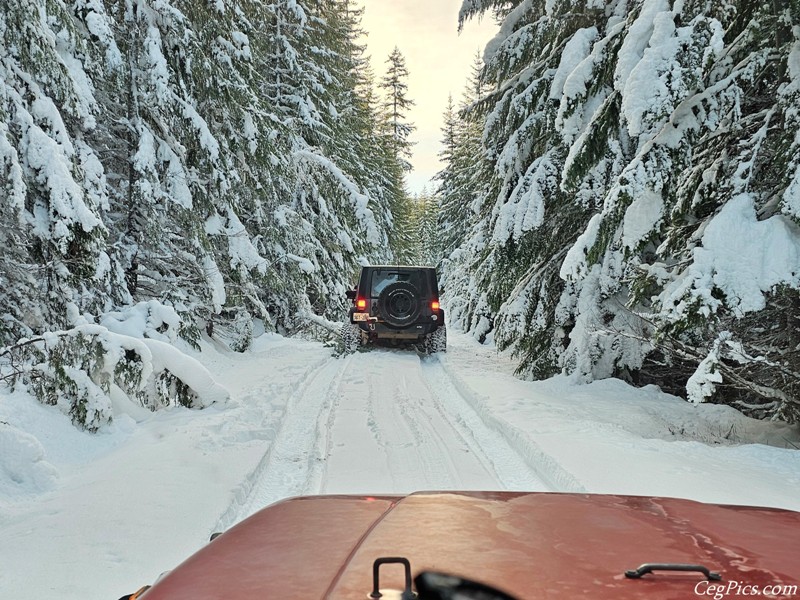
[[397, 267]]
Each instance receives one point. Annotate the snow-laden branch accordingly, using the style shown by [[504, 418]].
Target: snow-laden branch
[[332, 326], [76, 368], [360, 201]]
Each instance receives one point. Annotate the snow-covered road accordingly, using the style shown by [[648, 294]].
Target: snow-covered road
[[85, 515], [383, 422]]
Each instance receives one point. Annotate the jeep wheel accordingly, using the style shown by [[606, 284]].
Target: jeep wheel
[[436, 341], [398, 304], [351, 337]]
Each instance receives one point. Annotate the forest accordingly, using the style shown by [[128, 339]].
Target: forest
[[620, 196]]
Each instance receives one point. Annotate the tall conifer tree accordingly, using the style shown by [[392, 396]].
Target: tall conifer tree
[[619, 141]]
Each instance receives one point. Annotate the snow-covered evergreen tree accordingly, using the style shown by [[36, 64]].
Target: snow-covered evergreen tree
[[462, 153], [426, 207], [395, 131], [397, 103], [637, 151], [191, 155], [53, 190]]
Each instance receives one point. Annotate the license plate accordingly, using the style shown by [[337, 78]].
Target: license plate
[[360, 316]]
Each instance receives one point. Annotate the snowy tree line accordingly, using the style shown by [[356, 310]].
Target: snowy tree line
[[622, 195], [170, 165]]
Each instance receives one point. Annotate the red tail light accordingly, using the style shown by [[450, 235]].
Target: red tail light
[[361, 304], [435, 305]]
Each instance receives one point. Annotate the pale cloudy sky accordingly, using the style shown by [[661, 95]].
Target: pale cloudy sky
[[438, 59]]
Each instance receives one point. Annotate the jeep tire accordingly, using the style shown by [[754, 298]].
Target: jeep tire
[[399, 304], [351, 337], [436, 341]]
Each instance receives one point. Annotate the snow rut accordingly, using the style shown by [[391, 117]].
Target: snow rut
[[484, 437], [399, 427], [291, 465], [546, 468], [384, 437], [390, 422]]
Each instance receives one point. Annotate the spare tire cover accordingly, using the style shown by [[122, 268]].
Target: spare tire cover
[[398, 304]]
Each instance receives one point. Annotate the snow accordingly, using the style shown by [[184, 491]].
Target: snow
[[204, 135], [157, 69], [240, 247], [508, 36], [83, 89], [575, 262], [525, 207], [216, 283], [575, 51], [647, 94], [15, 184], [701, 385], [188, 370], [740, 256], [145, 319], [175, 177], [139, 350], [659, 80], [250, 132], [791, 197], [120, 507], [304, 264], [360, 201], [97, 22], [23, 470], [48, 152], [636, 41], [641, 218]]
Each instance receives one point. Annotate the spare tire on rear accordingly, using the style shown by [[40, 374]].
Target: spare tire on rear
[[399, 304]]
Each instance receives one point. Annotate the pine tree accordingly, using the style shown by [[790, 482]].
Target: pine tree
[[396, 106], [458, 184], [215, 159], [53, 186], [394, 132], [335, 193], [618, 141], [427, 208]]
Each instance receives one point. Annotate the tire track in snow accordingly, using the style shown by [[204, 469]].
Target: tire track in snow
[[487, 443], [433, 453], [553, 476], [388, 435], [290, 465], [389, 422]]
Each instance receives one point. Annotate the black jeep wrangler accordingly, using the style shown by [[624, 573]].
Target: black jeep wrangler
[[396, 305]]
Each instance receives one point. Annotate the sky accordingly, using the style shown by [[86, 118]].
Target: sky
[[438, 59]]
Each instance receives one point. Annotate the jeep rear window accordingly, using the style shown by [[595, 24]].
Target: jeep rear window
[[383, 277]]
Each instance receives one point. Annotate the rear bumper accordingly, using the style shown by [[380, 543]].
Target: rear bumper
[[414, 331]]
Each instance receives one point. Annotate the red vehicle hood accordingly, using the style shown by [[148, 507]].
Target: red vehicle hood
[[531, 545]]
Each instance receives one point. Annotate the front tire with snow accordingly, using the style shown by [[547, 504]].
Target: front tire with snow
[[436, 341]]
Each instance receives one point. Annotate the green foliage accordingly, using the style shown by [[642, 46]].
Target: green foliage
[[75, 370], [71, 376], [171, 390], [611, 139], [198, 147], [396, 105], [229, 160]]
